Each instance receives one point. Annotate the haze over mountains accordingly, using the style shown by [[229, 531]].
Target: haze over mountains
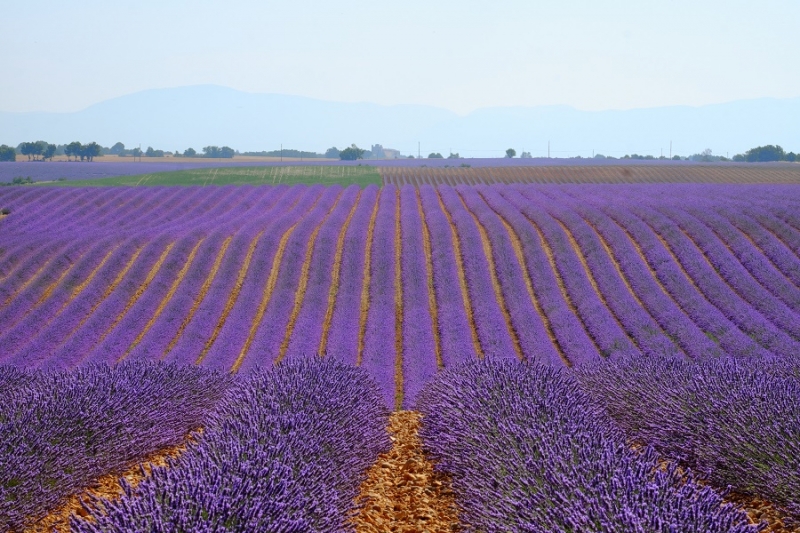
[[197, 116]]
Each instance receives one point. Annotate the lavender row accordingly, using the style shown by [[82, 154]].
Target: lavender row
[[118, 254], [38, 340], [602, 326], [524, 316], [749, 282], [567, 328], [737, 421], [270, 333], [380, 336], [777, 241], [236, 328], [454, 325], [60, 431], [527, 451], [199, 333], [682, 288], [670, 317], [344, 332], [752, 326], [419, 343], [488, 316], [286, 451], [307, 333], [622, 301], [751, 257]]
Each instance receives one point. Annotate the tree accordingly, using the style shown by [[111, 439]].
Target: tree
[[510, 153], [153, 153], [435, 155], [526, 155], [7, 153], [117, 149], [352, 153], [705, 156], [763, 154], [216, 151], [453, 156], [32, 149], [49, 151], [90, 151], [189, 152], [791, 157], [73, 149], [332, 153]]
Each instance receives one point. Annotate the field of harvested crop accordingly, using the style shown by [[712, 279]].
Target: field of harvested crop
[[630, 172], [547, 357]]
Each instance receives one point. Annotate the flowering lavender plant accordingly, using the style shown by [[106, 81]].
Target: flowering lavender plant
[[735, 420], [286, 452], [60, 431], [529, 452]]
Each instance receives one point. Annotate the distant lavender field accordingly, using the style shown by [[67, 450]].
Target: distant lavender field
[[51, 171]]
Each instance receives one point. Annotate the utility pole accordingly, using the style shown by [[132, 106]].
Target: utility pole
[[281, 152]]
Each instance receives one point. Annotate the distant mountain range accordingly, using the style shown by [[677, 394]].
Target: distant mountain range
[[197, 116]]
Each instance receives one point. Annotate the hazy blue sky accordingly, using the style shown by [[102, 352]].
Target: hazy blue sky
[[461, 55]]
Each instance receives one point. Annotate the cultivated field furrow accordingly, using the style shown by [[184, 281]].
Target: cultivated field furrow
[[309, 332], [682, 288], [643, 282], [458, 332], [420, 349], [766, 236], [707, 281], [617, 292], [624, 172], [255, 283], [277, 295], [380, 342], [490, 321], [501, 262], [401, 281], [348, 317], [577, 285], [737, 276], [752, 258]]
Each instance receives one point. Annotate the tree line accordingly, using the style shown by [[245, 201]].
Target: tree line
[[43, 151]]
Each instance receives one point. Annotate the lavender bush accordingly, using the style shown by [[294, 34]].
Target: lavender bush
[[737, 421], [528, 452], [60, 431], [285, 453]]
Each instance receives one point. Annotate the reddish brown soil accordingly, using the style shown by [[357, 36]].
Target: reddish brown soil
[[107, 487], [744, 173], [402, 492], [760, 510]]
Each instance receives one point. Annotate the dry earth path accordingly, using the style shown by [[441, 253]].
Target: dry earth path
[[402, 492]]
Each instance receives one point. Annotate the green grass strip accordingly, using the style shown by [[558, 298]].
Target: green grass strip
[[290, 175]]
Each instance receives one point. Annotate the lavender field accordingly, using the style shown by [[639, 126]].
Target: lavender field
[[439, 171], [461, 302]]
